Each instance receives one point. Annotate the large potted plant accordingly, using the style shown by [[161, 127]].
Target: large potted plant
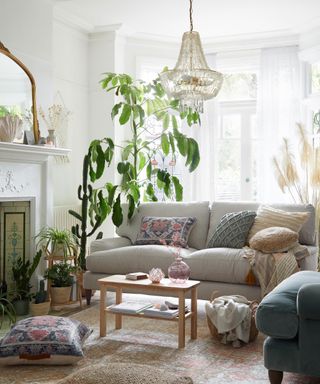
[[61, 280], [138, 173], [22, 271]]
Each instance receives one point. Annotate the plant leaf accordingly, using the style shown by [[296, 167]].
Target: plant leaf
[[177, 188], [165, 145], [125, 114], [117, 216]]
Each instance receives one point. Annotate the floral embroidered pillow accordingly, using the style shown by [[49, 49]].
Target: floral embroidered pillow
[[44, 340], [165, 230]]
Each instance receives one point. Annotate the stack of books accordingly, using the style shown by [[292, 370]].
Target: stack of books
[[136, 276], [129, 307]]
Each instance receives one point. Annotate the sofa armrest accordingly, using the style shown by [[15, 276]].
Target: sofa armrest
[[109, 243], [308, 301]]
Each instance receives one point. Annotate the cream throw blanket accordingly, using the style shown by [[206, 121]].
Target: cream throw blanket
[[231, 315], [272, 268]]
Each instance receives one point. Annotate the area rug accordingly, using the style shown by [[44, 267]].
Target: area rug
[[153, 344]]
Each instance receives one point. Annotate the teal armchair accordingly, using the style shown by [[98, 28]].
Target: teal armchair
[[290, 317]]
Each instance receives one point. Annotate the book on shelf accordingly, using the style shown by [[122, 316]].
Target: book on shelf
[[136, 276], [131, 307]]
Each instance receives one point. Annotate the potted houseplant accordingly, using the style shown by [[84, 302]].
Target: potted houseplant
[[57, 242], [10, 124], [41, 304], [6, 309], [22, 271], [61, 279]]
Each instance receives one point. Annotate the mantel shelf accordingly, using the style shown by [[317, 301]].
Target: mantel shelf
[[37, 149]]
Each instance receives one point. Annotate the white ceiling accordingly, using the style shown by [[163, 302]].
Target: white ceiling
[[212, 18]]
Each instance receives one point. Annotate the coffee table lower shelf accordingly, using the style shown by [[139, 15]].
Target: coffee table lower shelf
[[165, 288]]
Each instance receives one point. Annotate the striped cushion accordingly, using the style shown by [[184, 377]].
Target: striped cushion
[[271, 217]]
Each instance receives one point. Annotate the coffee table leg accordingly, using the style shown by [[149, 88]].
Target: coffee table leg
[[118, 317], [194, 315], [103, 319], [182, 320]]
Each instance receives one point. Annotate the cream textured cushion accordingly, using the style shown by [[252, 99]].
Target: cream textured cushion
[[271, 217], [123, 373], [274, 239]]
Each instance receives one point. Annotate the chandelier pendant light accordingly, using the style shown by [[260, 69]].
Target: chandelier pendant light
[[191, 81]]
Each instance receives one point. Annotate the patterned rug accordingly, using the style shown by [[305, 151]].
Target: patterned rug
[[153, 343]]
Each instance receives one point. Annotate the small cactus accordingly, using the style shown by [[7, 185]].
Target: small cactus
[[41, 295]]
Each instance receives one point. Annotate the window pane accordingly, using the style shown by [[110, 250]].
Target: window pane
[[228, 170], [239, 86], [231, 128], [315, 78]]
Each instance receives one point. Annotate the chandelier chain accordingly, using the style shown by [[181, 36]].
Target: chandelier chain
[[190, 15]]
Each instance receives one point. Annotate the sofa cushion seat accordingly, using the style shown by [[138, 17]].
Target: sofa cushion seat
[[133, 259], [225, 265], [277, 313]]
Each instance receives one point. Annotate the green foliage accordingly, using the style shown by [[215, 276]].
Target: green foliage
[[6, 310], [9, 111], [22, 271], [138, 102], [60, 274], [55, 240]]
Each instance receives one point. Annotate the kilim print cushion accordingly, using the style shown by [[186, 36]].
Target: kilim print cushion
[[44, 340], [165, 230], [233, 229]]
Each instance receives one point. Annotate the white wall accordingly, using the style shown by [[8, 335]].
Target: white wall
[[70, 86]]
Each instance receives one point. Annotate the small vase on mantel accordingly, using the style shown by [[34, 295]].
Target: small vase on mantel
[[51, 138], [179, 271]]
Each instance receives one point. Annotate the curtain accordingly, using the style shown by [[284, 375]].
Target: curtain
[[199, 185], [278, 110]]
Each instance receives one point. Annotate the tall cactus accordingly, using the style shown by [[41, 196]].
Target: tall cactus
[[81, 232]]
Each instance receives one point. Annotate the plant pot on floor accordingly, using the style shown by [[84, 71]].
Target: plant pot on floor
[[60, 295], [40, 309], [21, 307]]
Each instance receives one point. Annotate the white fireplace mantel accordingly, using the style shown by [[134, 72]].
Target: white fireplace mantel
[[29, 153], [26, 174]]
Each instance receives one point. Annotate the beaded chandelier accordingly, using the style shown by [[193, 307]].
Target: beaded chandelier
[[191, 81]]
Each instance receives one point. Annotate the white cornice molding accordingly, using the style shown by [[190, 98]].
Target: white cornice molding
[[72, 20]]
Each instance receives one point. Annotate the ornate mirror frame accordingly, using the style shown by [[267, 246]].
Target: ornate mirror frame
[[5, 51]]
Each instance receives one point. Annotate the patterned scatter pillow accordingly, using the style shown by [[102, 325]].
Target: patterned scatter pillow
[[165, 230], [271, 217], [233, 229], [44, 340], [274, 239]]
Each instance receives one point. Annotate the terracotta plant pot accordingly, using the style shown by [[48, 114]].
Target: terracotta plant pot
[[60, 295], [40, 309]]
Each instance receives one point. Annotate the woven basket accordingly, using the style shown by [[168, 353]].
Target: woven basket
[[253, 329], [40, 309]]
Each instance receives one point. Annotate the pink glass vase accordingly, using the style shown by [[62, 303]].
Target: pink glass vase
[[179, 271]]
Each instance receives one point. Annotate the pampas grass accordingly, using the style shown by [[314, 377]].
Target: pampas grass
[[299, 175]]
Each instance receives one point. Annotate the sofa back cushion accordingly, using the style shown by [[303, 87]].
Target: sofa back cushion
[[199, 210], [306, 233]]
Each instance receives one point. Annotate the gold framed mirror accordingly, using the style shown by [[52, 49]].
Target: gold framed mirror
[[18, 88]]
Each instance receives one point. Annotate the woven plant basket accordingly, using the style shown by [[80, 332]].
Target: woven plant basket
[[40, 309], [253, 329]]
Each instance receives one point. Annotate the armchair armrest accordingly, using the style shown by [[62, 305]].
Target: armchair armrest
[[308, 301], [109, 243]]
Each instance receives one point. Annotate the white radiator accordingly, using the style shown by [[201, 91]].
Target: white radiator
[[62, 219]]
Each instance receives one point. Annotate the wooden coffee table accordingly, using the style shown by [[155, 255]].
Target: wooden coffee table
[[165, 288]]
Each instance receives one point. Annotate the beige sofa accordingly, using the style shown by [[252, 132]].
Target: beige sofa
[[222, 269]]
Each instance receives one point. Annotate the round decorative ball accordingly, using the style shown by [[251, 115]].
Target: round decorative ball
[[155, 275]]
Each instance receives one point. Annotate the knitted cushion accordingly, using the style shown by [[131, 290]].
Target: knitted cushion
[[271, 217], [233, 229], [274, 239]]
